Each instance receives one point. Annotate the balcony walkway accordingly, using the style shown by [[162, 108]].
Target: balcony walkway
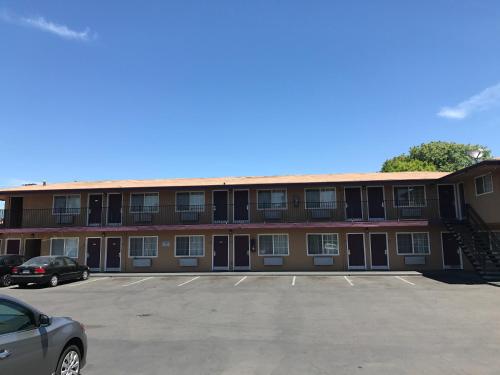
[[225, 227]]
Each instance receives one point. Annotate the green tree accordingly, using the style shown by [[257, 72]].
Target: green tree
[[438, 156], [403, 163]]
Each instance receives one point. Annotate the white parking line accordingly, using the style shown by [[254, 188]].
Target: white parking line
[[406, 281], [187, 282], [293, 280], [348, 280], [138, 281], [241, 280], [86, 282]]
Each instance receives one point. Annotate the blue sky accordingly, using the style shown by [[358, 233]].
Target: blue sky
[[113, 89]]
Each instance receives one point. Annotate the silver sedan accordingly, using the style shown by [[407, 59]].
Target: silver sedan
[[34, 343]]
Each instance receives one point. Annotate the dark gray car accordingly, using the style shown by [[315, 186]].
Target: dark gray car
[[33, 343]]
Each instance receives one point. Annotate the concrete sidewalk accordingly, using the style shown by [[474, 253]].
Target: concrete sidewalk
[[257, 273]]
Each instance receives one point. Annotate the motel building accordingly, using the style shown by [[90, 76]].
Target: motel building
[[425, 221]]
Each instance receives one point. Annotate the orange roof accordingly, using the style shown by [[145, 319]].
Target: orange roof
[[233, 181]]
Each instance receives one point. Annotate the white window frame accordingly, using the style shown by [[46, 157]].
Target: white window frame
[[76, 210], [322, 241], [142, 256], [273, 254], [157, 207], [334, 203], [66, 238], [202, 209], [189, 253], [273, 208], [394, 187], [482, 177], [412, 243]]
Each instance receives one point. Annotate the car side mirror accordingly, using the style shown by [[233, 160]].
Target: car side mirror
[[44, 320]]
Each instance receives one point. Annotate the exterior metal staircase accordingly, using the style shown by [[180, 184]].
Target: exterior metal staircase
[[479, 244]]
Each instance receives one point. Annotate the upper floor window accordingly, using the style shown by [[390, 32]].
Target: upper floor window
[[190, 201], [271, 199], [323, 244], [64, 247], [66, 204], [413, 243], [144, 202], [273, 244], [409, 196], [321, 198], [143, 246], [484, 184]]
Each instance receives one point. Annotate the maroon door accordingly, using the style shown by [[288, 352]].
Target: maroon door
[[94, 253], [13, 246], [95, 209], [241, 252], [376, 208], [356, 250], [113, 248], [451, 251], [378, 248], [240, 206], [220, 206], [221, 250], [115, 209], [353, 208], [447, 204], [32, 247], [16, 212]]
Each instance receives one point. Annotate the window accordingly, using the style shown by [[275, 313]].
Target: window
[[413, 243], [409, 196], [190, 201], [15, 318], [144, 202], [64, 246], [484, 184], [143, 247], [271, 199], [189, 246], [321, 198], [323, 244], [66, 205], [273, 244]]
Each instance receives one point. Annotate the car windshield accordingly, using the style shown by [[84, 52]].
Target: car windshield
[[38, 261]]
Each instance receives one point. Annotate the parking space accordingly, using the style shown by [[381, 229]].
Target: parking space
[[286, 324]]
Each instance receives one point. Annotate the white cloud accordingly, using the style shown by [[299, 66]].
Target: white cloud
[[42, 24], [483, 101]]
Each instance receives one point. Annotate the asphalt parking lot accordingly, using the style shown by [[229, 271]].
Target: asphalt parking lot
[[261, 324]]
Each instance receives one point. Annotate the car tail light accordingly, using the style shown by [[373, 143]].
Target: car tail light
[[39, 270], [14, 270]]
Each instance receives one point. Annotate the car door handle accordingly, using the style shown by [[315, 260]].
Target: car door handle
[[4, 354]]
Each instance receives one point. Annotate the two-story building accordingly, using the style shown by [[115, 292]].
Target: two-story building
[[379, 221]]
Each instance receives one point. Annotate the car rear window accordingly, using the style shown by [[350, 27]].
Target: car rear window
[[39, 261]]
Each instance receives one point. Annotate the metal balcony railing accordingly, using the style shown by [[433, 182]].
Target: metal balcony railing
[[285, 212]]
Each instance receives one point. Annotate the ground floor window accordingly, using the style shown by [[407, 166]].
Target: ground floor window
[[143, 246], [323, 244], [413, 243], [64, 246], [273, 244], [192, 246]]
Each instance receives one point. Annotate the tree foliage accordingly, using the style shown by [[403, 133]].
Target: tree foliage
[[435, 156]]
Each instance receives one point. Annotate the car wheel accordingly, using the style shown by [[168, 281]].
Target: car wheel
[[85, 275], [6, 280], [54, 280], [69, 362]]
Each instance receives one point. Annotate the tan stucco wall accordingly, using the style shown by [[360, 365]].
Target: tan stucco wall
[[295, 261]]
